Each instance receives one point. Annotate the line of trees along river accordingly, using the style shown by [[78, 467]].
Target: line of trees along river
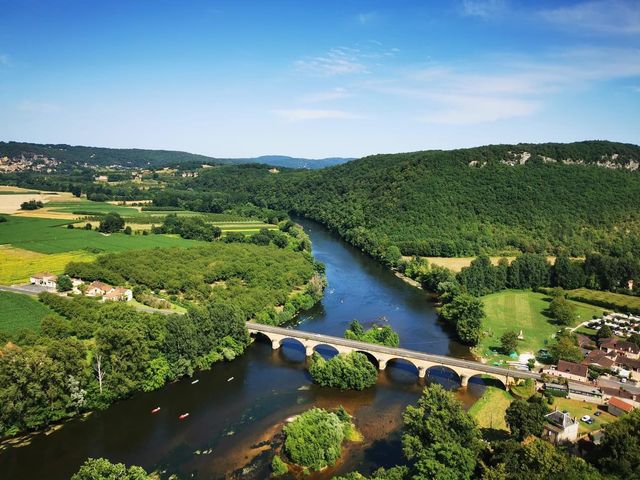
[[240, 404]]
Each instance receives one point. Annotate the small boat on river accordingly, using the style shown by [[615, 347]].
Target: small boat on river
[[155, 410], [195, 381], [230, 378], [183, 416]]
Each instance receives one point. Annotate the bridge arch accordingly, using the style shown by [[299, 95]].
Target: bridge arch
[[403, 363], [296, 343], [325, 349], [372, 358], [444, 372], [488, 380]]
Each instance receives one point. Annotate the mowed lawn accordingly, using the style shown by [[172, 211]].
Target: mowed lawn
[[489, 409], [18, 312], [523, 310], [578, 409], [45, 235]]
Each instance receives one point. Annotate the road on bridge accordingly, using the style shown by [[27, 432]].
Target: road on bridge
[[392, 351]]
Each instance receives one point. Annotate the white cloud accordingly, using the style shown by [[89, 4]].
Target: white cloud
[[337, 93], [482, 8], [302, 114], [38, 107], [601, 16]]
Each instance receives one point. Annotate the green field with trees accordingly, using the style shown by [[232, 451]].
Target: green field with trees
[[526, 311]]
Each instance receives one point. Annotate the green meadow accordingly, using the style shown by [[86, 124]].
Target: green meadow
[[18, 312], [46, 235]]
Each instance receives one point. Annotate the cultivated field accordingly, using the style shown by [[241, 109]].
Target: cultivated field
[[51, 236], [458, 263], [19, 264], [18, 312], [10, 199], [616, 301], [522, 310]]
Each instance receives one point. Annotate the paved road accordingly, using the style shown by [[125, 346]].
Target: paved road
[[32, 290], [398, 352]]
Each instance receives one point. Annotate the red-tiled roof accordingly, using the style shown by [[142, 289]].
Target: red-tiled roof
[[105, 287], [622, 405]]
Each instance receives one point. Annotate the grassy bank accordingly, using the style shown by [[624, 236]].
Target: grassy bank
[[616, 301], [489, 409]]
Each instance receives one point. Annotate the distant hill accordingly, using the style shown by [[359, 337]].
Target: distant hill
[[549, 198], [66, 155]]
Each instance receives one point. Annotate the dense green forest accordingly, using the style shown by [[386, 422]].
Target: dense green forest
[[454, 203]]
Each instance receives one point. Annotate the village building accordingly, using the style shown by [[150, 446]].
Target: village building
[[44, 279], [118, 295], [620, 347], [98, 289], [559, 428], [600, 358], [618, 406], [569, 370]]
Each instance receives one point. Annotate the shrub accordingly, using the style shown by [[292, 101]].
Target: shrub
[[314, 439], [353, 371], [278, 466]]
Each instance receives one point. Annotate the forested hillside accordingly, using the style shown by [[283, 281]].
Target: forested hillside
[[135, 157], [558, 198]]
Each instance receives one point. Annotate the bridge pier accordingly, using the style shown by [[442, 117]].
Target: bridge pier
[[382, 364], [464, 380], [308, 350], [275, 344], [422, 372]]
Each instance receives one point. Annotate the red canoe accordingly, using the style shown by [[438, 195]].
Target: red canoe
[[183, 416], [155, 410]]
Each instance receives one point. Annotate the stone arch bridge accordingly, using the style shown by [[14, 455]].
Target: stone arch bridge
[[465, 369]]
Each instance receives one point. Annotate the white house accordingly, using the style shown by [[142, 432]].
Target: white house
[[560, 427], [118, 295], [44, 279]]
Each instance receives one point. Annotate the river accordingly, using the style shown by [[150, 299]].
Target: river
[[236, 408]]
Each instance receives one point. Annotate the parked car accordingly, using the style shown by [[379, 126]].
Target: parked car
[[598, 413], [586, 418]]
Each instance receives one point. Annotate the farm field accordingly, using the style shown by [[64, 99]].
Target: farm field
[[456, 264], [616, 301], [19, 264], [19, 312], [489, 409], [51, 236], [579, 408], [522, 310]]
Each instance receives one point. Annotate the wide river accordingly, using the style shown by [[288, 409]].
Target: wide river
[[238, 408]]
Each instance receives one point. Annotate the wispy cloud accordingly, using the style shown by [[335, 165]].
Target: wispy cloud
[[360, 59], [38, 107], [302, 114], [338, 61], [366, 18], [482, 8], [510, 88], [601, 16], [331, 95]]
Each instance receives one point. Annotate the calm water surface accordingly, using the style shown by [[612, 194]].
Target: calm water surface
[[237, 408]]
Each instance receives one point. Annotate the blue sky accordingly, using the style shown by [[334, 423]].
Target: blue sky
[[316, 79]]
